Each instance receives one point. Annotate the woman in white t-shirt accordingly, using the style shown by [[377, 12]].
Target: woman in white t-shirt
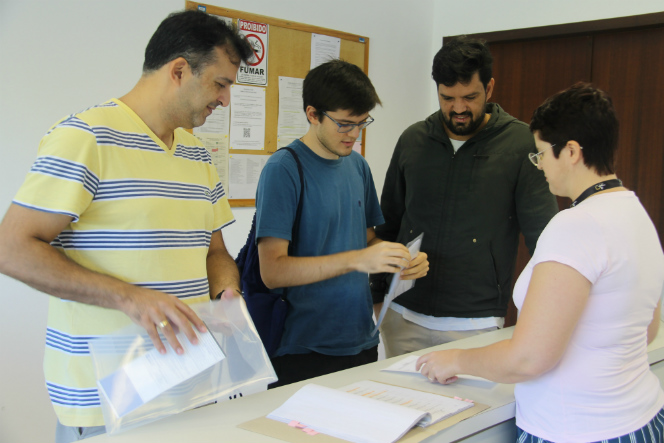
[[588, 300]]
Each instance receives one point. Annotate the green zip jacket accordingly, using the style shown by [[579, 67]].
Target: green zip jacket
[[471, 206]]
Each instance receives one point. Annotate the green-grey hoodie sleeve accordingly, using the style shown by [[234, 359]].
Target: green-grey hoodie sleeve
[[535, 205]]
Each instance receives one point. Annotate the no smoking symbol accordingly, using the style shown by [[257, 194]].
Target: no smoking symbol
[[257, 47]]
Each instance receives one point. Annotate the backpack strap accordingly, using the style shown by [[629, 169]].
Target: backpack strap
[[298, 212]]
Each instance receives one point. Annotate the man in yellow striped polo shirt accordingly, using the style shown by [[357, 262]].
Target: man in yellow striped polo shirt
[[120, 216]]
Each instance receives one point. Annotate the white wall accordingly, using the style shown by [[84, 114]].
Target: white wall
[[63, 56], [59, 57]]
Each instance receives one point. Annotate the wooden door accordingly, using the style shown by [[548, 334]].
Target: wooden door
[[629, 65], [526, 73]]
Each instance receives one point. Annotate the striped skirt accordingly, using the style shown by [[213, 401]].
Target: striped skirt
[[652, 432]]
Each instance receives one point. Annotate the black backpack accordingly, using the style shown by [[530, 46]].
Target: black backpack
[[267, 309]]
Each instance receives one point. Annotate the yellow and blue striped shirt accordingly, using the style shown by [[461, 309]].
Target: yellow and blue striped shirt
[[142, 213]]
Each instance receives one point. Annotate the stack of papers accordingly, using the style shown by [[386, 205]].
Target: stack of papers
[[367, 411], [437, 407]]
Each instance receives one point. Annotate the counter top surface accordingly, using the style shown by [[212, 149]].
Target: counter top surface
[[219, 422]]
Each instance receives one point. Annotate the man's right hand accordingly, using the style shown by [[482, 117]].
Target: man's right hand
[[382, 257], [158, 312]]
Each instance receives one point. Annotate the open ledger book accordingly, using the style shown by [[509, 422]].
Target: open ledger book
[[367, 411]]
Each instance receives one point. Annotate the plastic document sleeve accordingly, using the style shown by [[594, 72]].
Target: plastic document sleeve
[[137, 385]]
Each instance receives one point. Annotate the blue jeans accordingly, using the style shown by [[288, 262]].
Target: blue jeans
[[69, 434], [652, 432]]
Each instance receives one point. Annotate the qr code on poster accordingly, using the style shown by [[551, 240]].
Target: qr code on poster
[[247, 132]]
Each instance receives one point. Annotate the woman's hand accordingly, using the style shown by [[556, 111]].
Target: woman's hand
[[439, 366]]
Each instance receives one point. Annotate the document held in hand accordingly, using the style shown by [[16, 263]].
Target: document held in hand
[[407, 366], [144, 378], [398, 286], [367, 411]]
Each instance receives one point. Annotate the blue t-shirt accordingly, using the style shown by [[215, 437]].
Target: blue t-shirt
[[332, 317]]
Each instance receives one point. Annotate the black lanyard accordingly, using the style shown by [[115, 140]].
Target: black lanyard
[[601, 186]]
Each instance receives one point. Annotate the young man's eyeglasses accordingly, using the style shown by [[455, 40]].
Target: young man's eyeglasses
[[535, 157], [347, 127]]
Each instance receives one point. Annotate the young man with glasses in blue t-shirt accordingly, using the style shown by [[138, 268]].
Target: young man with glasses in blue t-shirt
[[329, 322]]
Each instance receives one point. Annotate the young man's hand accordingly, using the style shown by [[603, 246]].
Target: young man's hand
[[382, 257], [417, 268]]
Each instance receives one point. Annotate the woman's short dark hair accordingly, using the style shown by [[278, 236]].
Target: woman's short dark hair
[[338, 85], [585, 114], [459, 59], [194, 35]]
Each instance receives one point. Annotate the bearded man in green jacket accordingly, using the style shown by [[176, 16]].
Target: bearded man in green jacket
[[463, 178]]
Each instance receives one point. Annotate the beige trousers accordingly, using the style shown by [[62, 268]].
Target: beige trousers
[[400, 336]]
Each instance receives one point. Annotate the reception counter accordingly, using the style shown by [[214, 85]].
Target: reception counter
[[218, 423]]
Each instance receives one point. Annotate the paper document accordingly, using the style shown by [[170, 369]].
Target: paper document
[[217, 146], [346, 416], [407, 365], [151, 374], [398, 286], [247, 129], [437, 407], [323, 49], [366, 411], [292, 122], [245, 171], [216, 123]]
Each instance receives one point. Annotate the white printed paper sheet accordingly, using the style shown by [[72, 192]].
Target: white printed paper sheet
[[247, 117]]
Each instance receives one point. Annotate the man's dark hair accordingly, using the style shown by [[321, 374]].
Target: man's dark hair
[[194, 35], [586, 115], [459, 59], [338, 85]]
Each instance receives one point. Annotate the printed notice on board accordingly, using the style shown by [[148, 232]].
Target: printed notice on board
[[324, 48], [245, 172], [292, 122], [217, 146], [214, 135], [247, 117], [254, 72], [215, 123]]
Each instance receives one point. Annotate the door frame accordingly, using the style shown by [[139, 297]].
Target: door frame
[[650, 20]]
